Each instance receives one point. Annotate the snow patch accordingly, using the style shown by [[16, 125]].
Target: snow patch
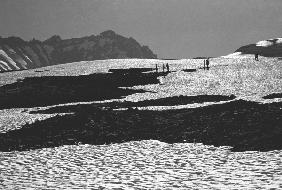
[[279, 41], [264, 43], [270, 42], [33, 55], [10, 60], [238, 55], [4, 66]]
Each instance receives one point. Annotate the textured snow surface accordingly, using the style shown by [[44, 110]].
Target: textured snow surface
[[150, 164], [238, 55], [12, 119], [146, 164]]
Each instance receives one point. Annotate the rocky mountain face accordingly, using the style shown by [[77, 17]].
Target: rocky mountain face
[[17, 54], [267, 48]]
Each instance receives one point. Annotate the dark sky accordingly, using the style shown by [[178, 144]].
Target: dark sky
[[171, 28]]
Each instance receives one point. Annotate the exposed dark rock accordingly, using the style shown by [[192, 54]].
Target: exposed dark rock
[[201, 57], [189, 70], [131, 70], [240, 124], [272, 96], [43, 91]]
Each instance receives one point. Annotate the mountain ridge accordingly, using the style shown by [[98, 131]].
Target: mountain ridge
[[266, 48], [17, 54]]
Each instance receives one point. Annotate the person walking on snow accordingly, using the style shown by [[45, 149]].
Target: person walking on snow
[[167, 67], [207, 63], [256, 57]]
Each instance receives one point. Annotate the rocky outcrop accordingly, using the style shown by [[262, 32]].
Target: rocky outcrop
[[267, 48], [17, 54]]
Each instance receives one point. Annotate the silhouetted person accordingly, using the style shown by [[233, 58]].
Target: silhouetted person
[[256, 57], [167, 67], [204, 64], [163, 68], [207, 63], [156, 67]]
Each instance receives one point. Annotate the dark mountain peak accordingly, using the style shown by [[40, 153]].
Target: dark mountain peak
[[53, 40], [35, 41], [108, 34], [12, 41]]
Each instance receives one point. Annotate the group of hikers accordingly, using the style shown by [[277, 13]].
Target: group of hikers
[[206, 64], [165, 66]]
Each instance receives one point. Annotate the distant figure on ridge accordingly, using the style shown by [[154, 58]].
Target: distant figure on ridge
[[163, 68], [256, 57], [167, 67], [204, 64], [156, 67], [207, 63]]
